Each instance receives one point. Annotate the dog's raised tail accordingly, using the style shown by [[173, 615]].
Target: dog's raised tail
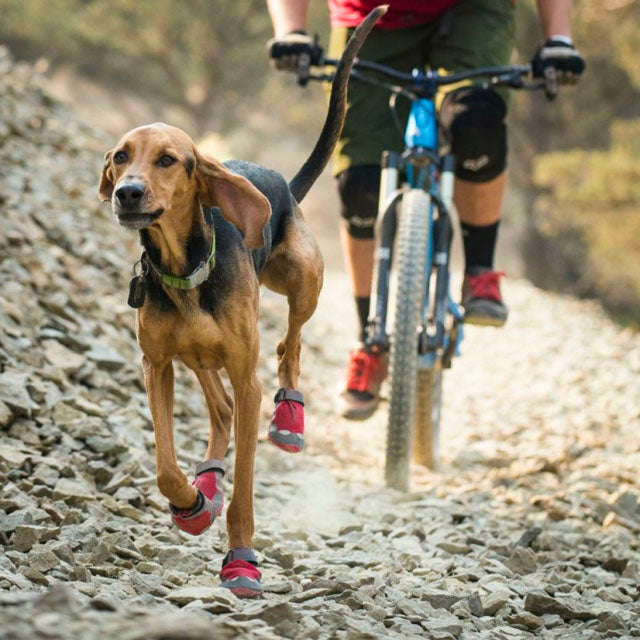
[[317, 161]]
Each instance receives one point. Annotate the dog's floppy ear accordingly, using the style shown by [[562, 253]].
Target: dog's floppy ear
[[240, 202], [106, 179]]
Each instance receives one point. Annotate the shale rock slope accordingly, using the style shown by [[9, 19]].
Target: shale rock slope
[[529, 531]]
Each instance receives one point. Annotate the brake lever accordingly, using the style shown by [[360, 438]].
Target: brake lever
[[307, 60], [302, 70], [550, 83]]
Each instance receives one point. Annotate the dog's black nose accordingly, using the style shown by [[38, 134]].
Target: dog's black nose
[[129, 195]]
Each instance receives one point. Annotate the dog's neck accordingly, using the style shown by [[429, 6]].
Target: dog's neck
[[178, 247]]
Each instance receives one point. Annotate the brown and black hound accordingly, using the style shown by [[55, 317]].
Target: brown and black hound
[[211, 233]]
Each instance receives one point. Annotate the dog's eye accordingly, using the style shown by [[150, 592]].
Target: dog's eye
[[166, 160], [120, 157]]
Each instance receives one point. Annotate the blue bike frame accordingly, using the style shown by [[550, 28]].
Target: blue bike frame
[[426, 170]]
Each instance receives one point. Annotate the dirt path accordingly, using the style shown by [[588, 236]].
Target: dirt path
[[531, 529]]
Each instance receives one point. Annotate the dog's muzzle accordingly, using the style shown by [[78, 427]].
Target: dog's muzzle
[[128, 201], [137, 220]]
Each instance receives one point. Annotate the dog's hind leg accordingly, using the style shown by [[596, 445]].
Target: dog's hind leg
[[294, 269], [220, 407]]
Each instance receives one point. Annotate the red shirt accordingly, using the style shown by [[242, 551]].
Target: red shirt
[[401, 13]]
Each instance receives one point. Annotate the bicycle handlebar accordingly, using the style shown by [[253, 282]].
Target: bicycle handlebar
[[419, 83]]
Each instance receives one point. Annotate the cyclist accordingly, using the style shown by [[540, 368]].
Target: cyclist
[[442, 34]]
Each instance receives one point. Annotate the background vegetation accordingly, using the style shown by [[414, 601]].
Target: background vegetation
[[576, 161]]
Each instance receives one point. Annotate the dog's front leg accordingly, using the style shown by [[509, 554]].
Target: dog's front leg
[[173, 484], [240, 571], [248, 394]]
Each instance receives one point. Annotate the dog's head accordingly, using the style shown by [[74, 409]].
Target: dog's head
[[155, 176]]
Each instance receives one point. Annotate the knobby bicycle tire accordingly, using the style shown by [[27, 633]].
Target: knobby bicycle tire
[[410, 268], [426, 429]]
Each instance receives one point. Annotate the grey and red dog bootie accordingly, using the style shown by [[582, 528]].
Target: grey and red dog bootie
[[209, 503], [287, 424], [240, 573]]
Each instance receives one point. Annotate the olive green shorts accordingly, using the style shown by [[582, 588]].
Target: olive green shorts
[[474, 33]]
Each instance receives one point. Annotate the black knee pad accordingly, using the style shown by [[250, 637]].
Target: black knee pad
[[473, 120], [359, 188]]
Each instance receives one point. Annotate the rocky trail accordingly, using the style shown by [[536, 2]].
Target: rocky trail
[[530, 529]]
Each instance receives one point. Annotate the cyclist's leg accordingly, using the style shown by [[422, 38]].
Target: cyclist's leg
[[368, 131], [481, 33]]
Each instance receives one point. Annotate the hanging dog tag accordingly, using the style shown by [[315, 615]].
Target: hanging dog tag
[[137, 292]]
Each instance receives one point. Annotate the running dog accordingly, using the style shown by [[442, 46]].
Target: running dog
[[212, 232]]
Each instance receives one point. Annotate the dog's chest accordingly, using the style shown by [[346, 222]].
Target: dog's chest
[[198, 341]]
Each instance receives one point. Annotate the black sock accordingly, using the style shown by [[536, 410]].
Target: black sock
[[362, 305], [479, 245]]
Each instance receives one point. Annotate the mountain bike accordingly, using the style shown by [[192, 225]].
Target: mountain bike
[[414, 223]]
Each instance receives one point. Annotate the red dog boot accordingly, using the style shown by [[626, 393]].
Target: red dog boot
[[240, 573], [287, 425], [209, 503]]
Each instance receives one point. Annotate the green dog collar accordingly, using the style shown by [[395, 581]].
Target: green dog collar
[[196, 277]]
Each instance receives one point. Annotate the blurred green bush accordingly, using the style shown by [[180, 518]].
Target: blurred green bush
[[578, 162]]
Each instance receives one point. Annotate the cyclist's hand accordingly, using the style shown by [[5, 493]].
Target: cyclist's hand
[[292, 51], [560, 59]]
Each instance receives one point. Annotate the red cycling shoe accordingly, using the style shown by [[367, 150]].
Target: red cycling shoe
[[367, 369], [287, 424], [240, 573], [482, 300], [209, 503]]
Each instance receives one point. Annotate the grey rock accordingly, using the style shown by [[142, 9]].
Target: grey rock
[[45, 474], [494, 601], [205, 594], [62, 357], [454, 548], [522, 560], [6, 415], [449, 625], [285, 559], [103, 602], [25, 536], [611, 621], [42, 559], [72, 491], [526, 619], [129, 494], [567, 609], [475, 605], [356, 559], [149, 567], [9, 522], [14, 393], [181, 560], [105, 357], [309, 594], [283, 617], [34, 575], [440, 599], [12, 456], [529, 537], [117, 481]]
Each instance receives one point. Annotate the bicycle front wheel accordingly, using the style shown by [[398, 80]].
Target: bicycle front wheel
[[411, 255]]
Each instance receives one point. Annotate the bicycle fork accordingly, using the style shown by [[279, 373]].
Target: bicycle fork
[[386, 225], [442, 236]]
